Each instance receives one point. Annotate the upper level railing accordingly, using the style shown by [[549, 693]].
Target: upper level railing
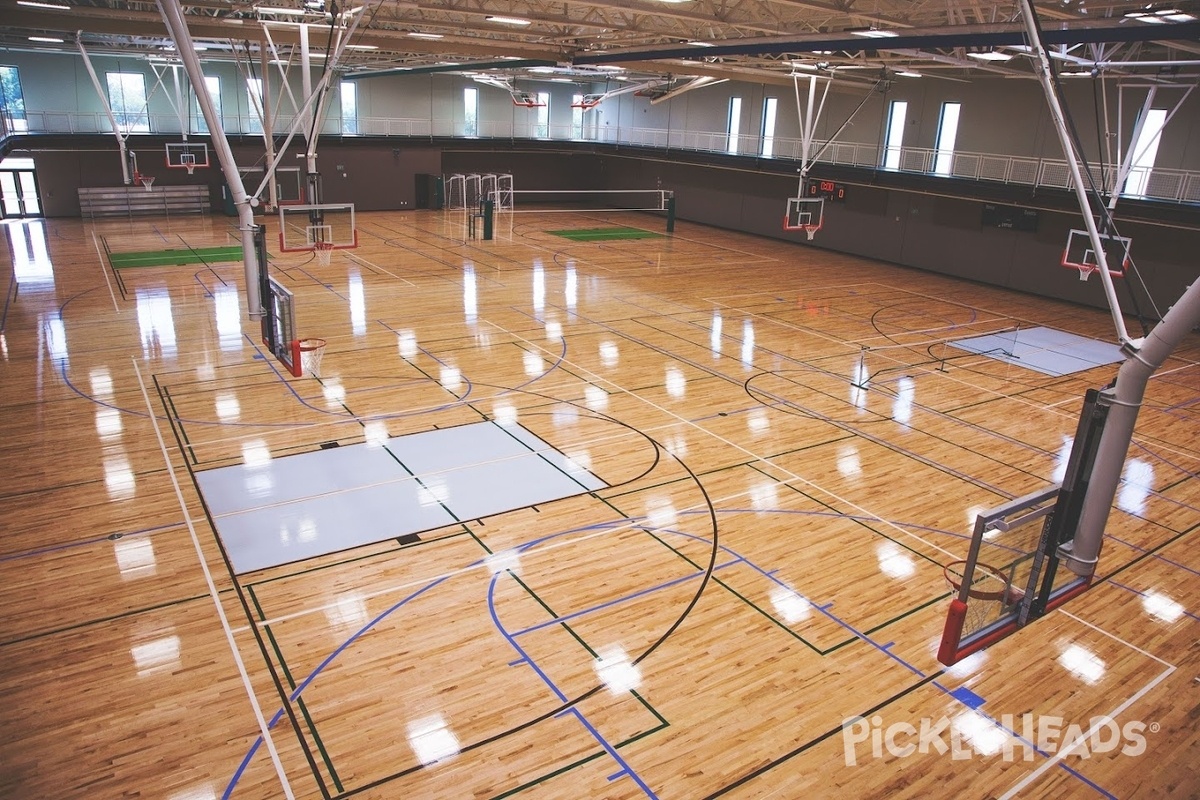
[[1170, 185]]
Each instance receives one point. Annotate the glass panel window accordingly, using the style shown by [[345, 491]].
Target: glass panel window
[[895, 134], [470, 111], [127, 99], [349, 94], [1145, 150], [734, 125], [12, 101], [947, 133], [254, 99], [768, 128], [213, 85], [543, 116]]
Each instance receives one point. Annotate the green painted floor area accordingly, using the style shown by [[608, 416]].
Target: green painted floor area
[[167, 258], [605, 234]]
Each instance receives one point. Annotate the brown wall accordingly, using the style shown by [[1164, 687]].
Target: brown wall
[[910, 226]]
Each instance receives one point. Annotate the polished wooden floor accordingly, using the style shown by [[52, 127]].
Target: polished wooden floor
[[765, 565]]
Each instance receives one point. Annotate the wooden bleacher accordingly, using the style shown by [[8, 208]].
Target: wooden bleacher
[[137, 201]]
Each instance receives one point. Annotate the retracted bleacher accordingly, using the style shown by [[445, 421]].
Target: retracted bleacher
[[135, 201]]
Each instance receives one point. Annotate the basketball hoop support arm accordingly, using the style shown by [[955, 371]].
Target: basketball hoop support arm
[[1041, 66], [172, 15], [112, 120]]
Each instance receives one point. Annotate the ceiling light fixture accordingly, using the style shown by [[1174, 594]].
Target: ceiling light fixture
[[991, 55], [509, 20], [423, 35], [49, 39], [702, 44], [906, 74], [293, 12], [361, 47], [874, 34], [35, 4]]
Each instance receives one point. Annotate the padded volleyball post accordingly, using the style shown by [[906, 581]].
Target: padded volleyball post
[[489, 217], [671, 213]]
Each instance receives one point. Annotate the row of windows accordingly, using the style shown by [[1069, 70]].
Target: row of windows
[[129, 105]]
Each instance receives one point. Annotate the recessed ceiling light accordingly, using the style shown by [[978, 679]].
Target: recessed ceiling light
[[906, 74], [423, 35], [35, 4], [50, 39], [874, 34], [991, 55], [509, 20]]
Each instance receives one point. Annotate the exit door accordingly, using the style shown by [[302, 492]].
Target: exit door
[[19, 194]]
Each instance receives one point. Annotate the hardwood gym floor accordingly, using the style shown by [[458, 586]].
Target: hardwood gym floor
[[762, 564]]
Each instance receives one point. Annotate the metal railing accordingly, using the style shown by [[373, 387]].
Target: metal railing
[[1171, 185]]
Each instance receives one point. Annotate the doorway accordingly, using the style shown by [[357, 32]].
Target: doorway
[[19, 197]]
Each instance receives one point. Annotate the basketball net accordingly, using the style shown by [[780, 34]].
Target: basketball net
[[311, 351], [147, 181], [324, 252]]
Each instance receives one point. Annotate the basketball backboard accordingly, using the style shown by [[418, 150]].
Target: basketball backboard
[[312, 227], [805, 214], [187, 155], [1080, 254]]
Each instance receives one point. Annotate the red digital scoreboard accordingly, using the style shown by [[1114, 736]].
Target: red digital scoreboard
[[830, 190]]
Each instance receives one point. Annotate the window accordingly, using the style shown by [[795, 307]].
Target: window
[[254, 96], [127, 99], [577, 116], [735, 124], [543, 116], [895, 134], [768, 126], [349, 90], [12, 101], [947, 133], [470, 111], [213, 85], [1145, 150]]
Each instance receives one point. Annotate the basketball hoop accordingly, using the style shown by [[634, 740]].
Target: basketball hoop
[[324, 251], [989, 586], [147, 181], [311, 351]]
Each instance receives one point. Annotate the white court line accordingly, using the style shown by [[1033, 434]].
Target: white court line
[[372, 265], [1071, 747], [757, 457], [212, 591], [104, 269]]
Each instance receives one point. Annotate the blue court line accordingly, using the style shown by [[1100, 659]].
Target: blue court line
[[1143, 595], [84, 542], [623, 599], [1164, 559], [196, 275], [1032, 746], [321, 283], [612, 751]]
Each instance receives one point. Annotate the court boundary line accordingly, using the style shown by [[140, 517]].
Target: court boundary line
[[212, 590]]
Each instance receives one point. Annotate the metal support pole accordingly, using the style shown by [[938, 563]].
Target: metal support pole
[[1041, 66], [268, 133], [1081, 554], [112, 120], [172, 15]]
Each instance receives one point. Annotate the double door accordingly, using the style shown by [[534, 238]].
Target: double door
[[19, 194]]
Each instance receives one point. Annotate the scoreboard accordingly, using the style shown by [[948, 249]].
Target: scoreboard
[[827, 189]]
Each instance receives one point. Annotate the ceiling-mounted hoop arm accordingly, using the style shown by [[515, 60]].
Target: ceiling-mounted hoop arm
[[845, 124], [112, 120], [808, 124], [283, 73], [697, 83], [1127, 158], [1042, 67]]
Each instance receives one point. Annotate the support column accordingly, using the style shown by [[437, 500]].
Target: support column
[[173, 17]]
